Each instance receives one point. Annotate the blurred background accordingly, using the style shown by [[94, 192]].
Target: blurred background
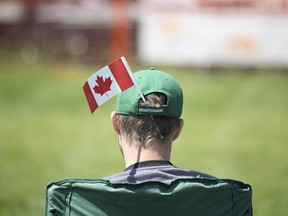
[[206, 33], [230, 57]]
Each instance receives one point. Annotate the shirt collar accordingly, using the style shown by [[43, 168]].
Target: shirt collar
[[150, 163]]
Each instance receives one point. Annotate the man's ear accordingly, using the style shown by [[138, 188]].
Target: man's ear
[[114, 122], [179, 129]]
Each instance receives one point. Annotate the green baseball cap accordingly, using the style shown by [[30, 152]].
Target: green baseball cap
[[150, 81]]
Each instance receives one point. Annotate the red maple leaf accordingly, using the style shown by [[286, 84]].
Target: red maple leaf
[[103, 86]]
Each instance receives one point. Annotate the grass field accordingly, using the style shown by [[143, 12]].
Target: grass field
[[236, 126]]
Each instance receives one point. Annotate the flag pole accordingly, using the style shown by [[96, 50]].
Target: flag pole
[[134, 81]]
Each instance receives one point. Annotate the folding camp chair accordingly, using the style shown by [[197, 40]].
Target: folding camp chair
[[197, 196]]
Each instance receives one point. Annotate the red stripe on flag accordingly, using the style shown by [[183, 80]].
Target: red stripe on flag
[[90, 98], [121, 74]]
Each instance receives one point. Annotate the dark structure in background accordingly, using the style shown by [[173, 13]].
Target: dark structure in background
[[74, 31]]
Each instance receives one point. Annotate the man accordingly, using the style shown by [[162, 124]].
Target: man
[[146, 130]]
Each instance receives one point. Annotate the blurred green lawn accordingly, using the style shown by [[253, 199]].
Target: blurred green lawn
[[236, 126]]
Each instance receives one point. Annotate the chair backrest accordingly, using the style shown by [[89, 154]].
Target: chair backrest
[[198, 197]]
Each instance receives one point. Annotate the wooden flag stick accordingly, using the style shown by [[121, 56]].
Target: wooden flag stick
[[134, 81]]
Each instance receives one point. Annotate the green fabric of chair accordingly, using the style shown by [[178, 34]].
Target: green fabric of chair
[[198, 197]]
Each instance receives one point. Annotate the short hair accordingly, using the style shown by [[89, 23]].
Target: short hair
[[148, 130]]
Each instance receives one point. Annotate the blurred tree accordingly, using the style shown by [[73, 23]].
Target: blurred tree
[[119, 29], [30, 7]]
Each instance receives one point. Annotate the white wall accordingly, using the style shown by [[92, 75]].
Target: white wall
[[213, 38]]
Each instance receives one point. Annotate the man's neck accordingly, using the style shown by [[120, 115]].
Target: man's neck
[[134, 155]]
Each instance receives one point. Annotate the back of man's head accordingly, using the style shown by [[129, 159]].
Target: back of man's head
[[151, 122]]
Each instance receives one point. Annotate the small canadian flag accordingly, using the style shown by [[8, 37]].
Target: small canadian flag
[[108, 82]]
